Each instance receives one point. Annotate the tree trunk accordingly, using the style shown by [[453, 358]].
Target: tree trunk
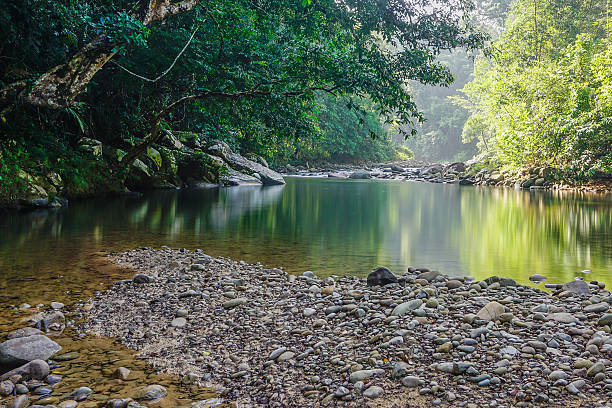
[[58, 87]]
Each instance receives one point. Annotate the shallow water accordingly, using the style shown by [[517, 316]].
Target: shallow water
[[327, 226]]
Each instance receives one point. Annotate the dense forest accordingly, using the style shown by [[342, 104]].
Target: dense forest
[[95, 95], [539, 96], [87, 89]]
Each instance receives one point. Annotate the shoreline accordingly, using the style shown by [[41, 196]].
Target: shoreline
[[261, 337], [453, 173]]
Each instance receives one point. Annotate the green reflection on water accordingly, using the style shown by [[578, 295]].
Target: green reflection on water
[[328, 226]]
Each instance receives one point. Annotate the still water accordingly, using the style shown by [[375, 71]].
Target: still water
[[339, 227]]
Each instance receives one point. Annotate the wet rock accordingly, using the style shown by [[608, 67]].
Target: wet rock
[[35, 369], [142, 278], [21, 350], [25, 332], [80, 394], [380, 277], [578, 286], [151, 393], [537, 278], [360, 175]]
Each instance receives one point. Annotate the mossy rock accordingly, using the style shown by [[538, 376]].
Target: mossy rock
[[155, 157]]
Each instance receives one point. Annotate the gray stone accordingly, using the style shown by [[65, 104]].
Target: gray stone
[[577, 286], [80, 394], [234, 302], [373, 392], [25, 332], [411, 381], [151, 393], [142, 278], [178, 322], [605, 319], [35, 369], [241, 164], [563, 317], [21, 350], [406, 307], [361, 375], [360, 175], [597, 307], [400, 370]]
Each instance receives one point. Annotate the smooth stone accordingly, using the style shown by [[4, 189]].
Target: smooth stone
[[597, 308], [605, 319], [563, 317], [25, 332], [234, 302], [21, 350], [577, 286], [361, 375], [309, 312], [491, 311], [122, 373], [151, 393], [35, 369], [178, 322], [80, 394], [406, 307], [411, 381], [274, 355], [373, 392]]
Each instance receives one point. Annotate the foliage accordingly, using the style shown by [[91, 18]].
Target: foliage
[[544, 97], [274, 77]]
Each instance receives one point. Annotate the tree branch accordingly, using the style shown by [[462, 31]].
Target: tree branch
[[163, 74]]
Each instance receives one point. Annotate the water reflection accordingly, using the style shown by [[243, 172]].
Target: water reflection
[[328, 226]]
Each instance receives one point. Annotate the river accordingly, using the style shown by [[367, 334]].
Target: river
[[331, 227]]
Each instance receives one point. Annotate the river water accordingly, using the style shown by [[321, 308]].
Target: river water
[[332, 227]]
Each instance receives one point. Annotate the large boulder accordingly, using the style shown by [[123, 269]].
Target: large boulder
[[360, 175], [243, 165], [35, 369], [236, 178], [381, 276], [16, 352], [578, 286]]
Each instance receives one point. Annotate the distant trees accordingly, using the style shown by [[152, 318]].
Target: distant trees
[[544, 95], [246, 71]]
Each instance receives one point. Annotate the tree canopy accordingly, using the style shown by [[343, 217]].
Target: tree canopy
[[543, 98]]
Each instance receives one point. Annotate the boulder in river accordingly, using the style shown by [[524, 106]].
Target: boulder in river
[[381, 276], [21, 350], [34, 370], [243, 165], [360, 175]]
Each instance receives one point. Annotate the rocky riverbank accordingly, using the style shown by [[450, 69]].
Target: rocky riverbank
[[262, 337], [536, 178], [180, 160], [44, 364]]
